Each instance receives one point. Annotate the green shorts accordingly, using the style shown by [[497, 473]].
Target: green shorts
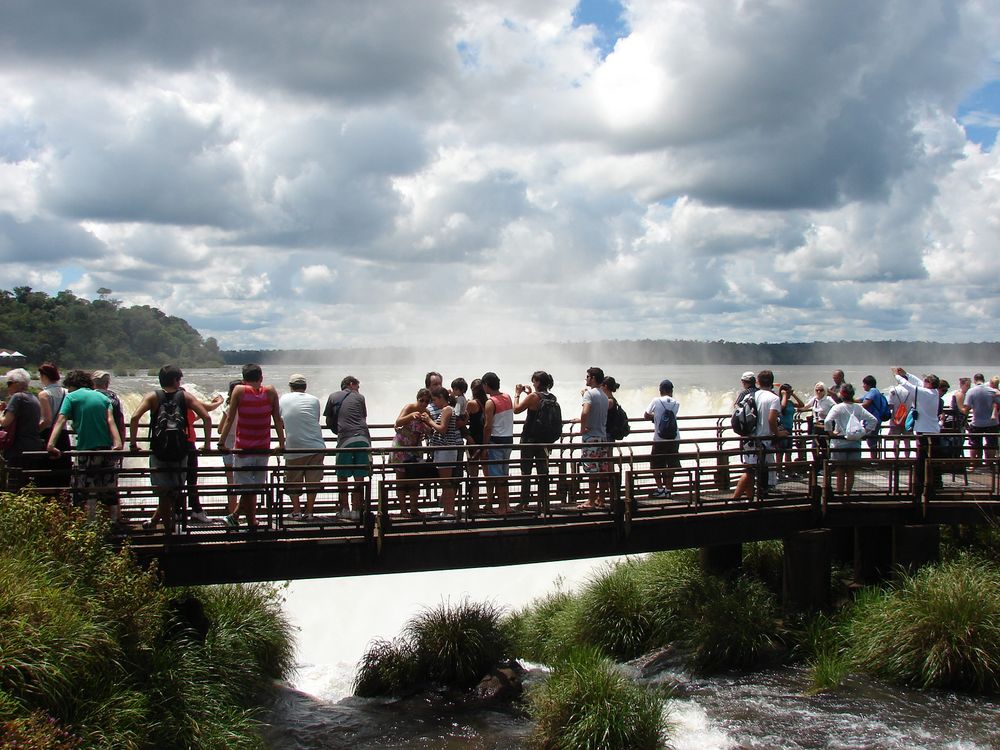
[[354, 463]]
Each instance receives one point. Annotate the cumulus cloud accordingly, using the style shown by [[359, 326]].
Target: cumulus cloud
[[362, 173]]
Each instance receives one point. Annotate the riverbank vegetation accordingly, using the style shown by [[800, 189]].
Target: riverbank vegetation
[[632, 607], [95, 653], [451, 646], [75, 332]]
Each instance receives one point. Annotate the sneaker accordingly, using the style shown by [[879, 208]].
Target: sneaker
[[659, 492], [231, 522], [296, 517], [199, 516]]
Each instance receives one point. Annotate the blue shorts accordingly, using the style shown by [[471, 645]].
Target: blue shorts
[[250, 468], [499, 454]]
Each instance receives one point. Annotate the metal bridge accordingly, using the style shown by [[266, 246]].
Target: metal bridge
[[546, 522]]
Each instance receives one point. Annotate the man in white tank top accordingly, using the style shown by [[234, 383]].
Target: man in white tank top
[[498, 431]]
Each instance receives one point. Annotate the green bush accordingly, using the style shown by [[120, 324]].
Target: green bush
[[939, 627], [734, 625], [387, 668], [453, 646], [614, 615], [457, 645], [93, 649], [545, 629], [586, 703]]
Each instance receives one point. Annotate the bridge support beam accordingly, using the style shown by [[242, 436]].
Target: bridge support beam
[[872, 554], [915, 545], [843, 544], [806, 570], [721, 559]]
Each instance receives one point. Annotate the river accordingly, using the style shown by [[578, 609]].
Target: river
[[336, 618]]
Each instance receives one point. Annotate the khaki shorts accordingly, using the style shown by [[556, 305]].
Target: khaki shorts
[[303, 468]]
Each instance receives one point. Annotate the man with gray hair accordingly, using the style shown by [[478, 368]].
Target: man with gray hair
[[303, 434]]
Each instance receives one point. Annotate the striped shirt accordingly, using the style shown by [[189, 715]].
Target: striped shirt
[[253, 428]]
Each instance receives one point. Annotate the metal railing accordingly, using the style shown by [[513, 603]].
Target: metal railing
[[711, 461]]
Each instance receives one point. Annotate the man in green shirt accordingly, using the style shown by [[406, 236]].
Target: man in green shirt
[[96, 476]]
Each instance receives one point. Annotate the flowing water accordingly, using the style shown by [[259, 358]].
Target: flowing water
[[337, 618]]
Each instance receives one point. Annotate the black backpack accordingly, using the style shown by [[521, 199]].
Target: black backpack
[[744, 421], [666, 425], [168, 428], [548, 424], [617, 425]]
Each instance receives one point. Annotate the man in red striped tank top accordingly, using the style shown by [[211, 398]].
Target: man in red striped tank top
[[256, 407]]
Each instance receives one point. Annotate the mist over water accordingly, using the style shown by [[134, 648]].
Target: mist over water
[[337, 618]]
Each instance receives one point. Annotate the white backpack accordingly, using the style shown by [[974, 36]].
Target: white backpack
[[855, 429]]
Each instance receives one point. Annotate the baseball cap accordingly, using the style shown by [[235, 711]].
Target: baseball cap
[[297, 379], [748, 375]]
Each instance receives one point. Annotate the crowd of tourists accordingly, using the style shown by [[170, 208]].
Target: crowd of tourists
[[447, 432], [917, 407]]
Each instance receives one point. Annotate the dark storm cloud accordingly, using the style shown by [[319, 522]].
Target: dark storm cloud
[[162, 167], [341, 48], [45, 241]]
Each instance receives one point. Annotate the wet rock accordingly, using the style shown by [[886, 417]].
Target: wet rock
[[669, 658], [503, 683]]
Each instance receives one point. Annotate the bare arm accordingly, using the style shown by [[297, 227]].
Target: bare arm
[[45, 403], [116, 439], [146, 405], [531, 402], [405, 415], [442, 423], [773, 423], [56, 429], [488, 413], [279, 424], [234, 404], [584, 415], [199, 408]]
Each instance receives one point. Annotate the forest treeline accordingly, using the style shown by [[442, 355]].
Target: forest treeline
[[76, 332], [653, 352]]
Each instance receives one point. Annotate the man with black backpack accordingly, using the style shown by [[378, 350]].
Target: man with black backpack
[[168, 441], [663, 412], [765, 405], [542, 427]]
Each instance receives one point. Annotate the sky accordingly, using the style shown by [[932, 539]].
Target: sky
[[329, 173]]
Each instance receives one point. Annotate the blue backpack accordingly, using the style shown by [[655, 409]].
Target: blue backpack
[[879, 406], [666, 425]]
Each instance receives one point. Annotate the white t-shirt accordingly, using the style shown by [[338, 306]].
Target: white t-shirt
[[821, 407], [300, 413], [767, 401], [656, 407], [928, 403]]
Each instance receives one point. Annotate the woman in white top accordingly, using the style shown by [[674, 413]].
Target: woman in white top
[[845, 444], [819, 404]]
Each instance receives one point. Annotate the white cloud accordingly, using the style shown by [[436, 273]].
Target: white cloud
[[730, 169]]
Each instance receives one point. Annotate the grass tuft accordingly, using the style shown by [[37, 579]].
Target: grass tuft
[[454, 646], [939, 627], [613, 613], [586, 703]]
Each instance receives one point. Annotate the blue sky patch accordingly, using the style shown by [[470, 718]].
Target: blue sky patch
[[979, 114], [609, 18]]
